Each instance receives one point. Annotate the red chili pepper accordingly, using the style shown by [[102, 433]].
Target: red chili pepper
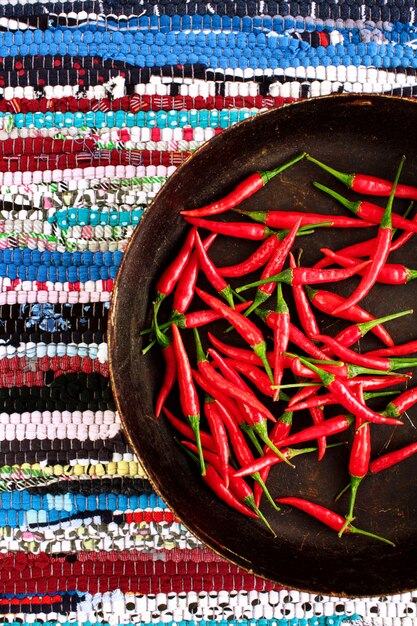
[[172, 273], [381, 382], [301, 341], [244, 190], [298, 369], [216, 484], [303, 394], [254, 261], [185, 430], [281, 339], [355, 251], [242, 230], [384, 364], [268, 460], [368, 185], [279, 431], [228, 388], [251, 371], [318, 401], [367, 248], [196, 319], [202, 318], [390, 274], [240, 448], [297, 337], [305, 314], [329, 518], [240, 354], [184, 292], [326, 301], [360, 456], [318, 418], [212, 275], [281, 428], [325, 428], [369, 211], [392, 458], [346, 399], [188, 394], [307, 276], [210, 457], [402, 349], [254, 374], [382, 250], [230, 368], [220, 437], [400, 241], [261, 255], [247, 415], [332, 426], [344, 371], [217, 393], [228, 371], [352, 334], [257, 420], [170, 375], [213, 377], [246, 362], [273, 267], [246, 329], [401, 404], [237, 485], [286, 219]]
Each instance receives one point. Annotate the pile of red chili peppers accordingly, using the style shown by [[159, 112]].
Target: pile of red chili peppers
[[238, 419]]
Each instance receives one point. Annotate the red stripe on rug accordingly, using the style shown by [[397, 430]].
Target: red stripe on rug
[[150, 516], [98, 158], [14, 372], [22, 573], [176, 555], [138, 102]]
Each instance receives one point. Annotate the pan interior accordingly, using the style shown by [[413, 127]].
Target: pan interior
[[363, 134]]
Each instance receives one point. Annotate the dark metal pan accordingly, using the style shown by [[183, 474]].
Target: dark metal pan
[[353, 133]]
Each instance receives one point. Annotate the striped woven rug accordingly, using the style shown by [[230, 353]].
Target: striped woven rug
[[100, 101]]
